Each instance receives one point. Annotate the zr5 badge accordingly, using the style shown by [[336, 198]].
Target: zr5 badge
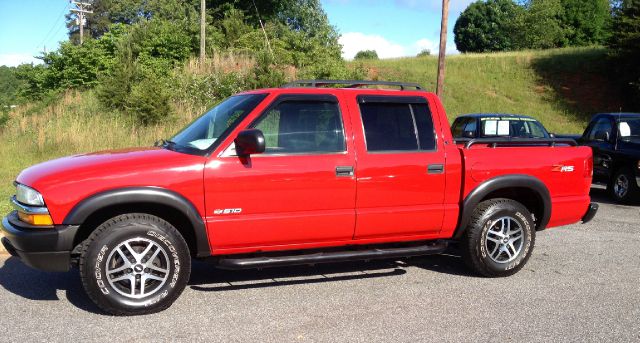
[[562, 169]]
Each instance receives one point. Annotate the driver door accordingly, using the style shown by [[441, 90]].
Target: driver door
[[301, 190], [601, 147]]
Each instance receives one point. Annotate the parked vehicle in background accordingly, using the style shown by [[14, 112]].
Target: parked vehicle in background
[[491, 125], [615, 140], [301, 174]]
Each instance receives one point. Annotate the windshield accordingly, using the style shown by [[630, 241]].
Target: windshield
[[217, 122], [629, 129]]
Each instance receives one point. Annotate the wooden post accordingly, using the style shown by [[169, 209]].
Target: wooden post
[[443, 48], [202, 30]]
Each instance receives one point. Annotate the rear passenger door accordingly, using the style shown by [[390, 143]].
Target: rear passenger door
[[400, 167]]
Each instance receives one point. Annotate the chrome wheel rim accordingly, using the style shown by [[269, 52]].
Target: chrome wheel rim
[[504, 240], [137, 268], [621, 187]]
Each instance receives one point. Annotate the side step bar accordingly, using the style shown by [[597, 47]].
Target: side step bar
[[431, 248]]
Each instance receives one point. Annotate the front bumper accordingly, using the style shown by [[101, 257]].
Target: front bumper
[[591, 212], [46, 249]]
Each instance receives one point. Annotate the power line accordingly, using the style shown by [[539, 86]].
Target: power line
[[53, 27]]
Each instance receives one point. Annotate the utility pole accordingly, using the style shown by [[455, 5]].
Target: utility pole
[[80, 12], [202, 30], [443, 47]]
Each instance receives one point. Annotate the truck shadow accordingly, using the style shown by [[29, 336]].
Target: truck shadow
[[206, 278], [600, 195], [32, 284]]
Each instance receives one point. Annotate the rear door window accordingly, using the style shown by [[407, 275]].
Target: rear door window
[[394, 126]]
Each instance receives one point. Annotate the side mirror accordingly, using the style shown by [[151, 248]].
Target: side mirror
[[552, 135], [469, 134], [250, 141], [602, 136]]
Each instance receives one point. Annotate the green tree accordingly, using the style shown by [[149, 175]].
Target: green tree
[[487, 26], [538, 26], [585, 22], [108, 12], [10, 85], [366, 55], [625, 45]]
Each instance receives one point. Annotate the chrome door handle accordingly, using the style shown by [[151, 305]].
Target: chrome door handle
[[344, 171], [435, 169]]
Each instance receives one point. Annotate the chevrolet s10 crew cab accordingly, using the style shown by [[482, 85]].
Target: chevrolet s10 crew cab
[[301, 174]]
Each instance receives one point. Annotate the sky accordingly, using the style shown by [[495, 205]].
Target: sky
[[393, 28]]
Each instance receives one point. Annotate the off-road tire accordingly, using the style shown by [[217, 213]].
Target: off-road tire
[[474, 245], [97, 252]]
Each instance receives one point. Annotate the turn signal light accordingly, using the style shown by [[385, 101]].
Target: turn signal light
[[35, 219]]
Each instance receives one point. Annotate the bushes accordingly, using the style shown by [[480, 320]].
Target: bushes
[[149, 101], [4, 117], [138, 64], [147, 54]]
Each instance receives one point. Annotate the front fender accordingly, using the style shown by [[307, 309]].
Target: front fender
[[145, 195]]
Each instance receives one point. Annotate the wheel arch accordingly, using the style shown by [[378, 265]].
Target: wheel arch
[[163, 203], [525, 189]]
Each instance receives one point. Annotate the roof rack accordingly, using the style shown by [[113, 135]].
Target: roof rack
[[351, 84]]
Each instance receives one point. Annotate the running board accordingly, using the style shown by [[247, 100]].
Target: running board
[[431, 248]]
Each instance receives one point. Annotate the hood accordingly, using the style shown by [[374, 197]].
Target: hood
[[64, 181]]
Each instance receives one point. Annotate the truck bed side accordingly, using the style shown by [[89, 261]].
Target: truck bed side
[[565, 171]]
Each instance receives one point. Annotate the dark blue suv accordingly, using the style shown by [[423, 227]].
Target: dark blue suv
[[491, 125]]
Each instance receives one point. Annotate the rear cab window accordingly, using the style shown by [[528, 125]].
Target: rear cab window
[[396, 124]]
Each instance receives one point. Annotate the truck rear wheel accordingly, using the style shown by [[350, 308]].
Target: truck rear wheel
[[499, 238], [135, 264]]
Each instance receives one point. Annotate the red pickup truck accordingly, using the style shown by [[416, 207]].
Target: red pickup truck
[[301, 174]]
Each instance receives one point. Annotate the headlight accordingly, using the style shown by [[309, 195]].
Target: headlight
[[28, 196], [638, 164]]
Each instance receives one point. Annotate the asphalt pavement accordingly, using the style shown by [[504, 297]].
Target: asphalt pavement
[[582, 284]]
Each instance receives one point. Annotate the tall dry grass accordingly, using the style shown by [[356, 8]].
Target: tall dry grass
[[73, 124]]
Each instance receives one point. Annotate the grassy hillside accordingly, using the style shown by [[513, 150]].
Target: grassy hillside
[[562, 88]]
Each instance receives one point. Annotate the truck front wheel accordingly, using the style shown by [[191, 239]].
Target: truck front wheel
[[134, 264], [499, 238]]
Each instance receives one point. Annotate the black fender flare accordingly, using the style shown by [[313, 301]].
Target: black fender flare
[[150, 195], [504, 182]]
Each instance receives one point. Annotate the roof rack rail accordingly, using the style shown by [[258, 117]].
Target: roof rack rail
[[351, 84]]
